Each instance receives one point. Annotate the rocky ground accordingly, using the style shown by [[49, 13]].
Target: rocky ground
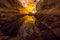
[[46, 26]]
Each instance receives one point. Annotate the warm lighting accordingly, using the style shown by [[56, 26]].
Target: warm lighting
[[27, 7], [30, 8], [29, 19]]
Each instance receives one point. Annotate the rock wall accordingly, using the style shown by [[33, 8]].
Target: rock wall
[[46, 27]]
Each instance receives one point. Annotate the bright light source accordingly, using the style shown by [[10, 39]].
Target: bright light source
[[34, 11]]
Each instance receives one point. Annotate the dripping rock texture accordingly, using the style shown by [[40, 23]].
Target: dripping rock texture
[[46, 26]]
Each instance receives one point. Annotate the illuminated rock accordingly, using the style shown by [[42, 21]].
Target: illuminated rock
[[25, 10], [29, 19]]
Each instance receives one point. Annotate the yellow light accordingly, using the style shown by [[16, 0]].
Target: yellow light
[[25, 10], [28, 18], [30, 7]]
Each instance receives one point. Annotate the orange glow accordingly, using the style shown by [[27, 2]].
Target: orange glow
[[30, 7], [28, 18]]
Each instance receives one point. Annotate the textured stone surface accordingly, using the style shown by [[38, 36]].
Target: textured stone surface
[[46, 27]]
